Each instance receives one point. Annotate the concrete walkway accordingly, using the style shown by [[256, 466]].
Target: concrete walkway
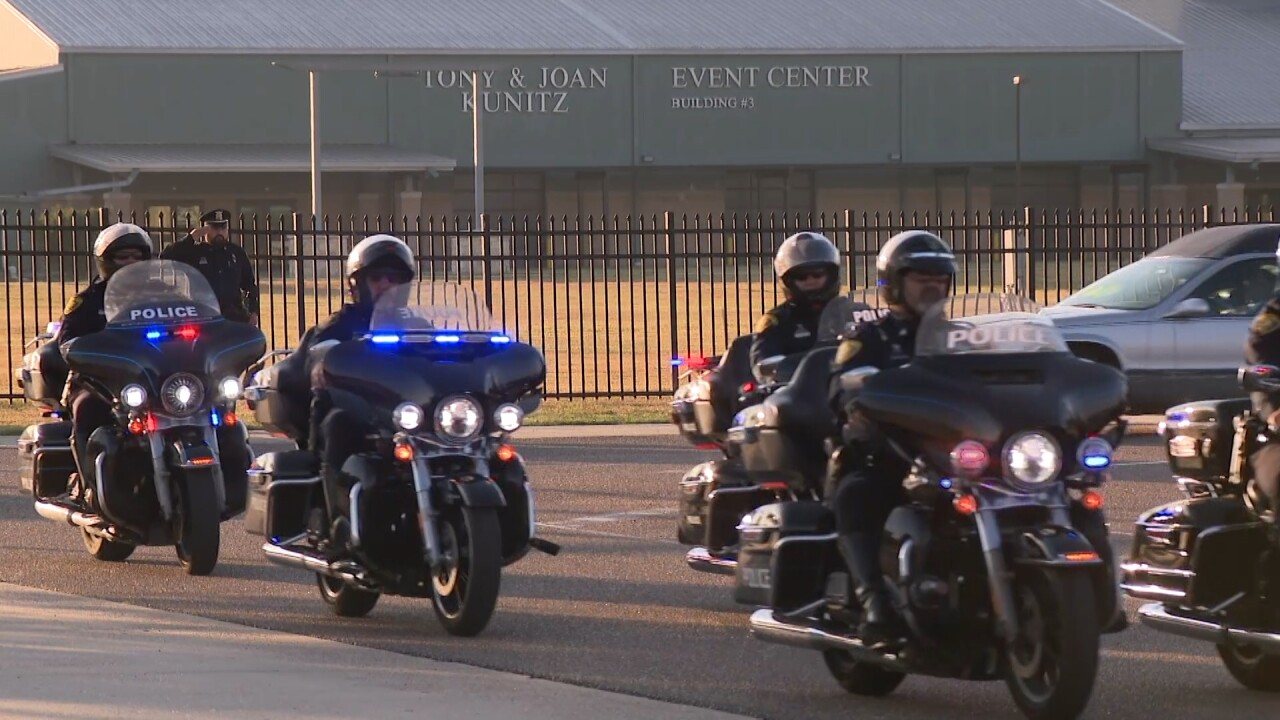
[[65, 656]]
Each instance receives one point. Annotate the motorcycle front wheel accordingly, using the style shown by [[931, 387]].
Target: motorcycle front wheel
[[465, 588]]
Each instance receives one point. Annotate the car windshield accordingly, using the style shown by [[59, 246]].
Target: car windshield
[[420, 307], [1139, 286], [947, 329], [159, 292]]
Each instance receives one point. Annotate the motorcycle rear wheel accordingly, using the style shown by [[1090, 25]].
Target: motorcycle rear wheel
[[860, 678], [1251, 667]]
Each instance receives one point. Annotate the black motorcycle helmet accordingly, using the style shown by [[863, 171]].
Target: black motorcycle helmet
[[911, 250], [378, 252], [113, 239], [808, 251]]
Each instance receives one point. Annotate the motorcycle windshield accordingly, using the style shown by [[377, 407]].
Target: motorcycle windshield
[[429, 341], [985, 376], [159, 292], [431, 308], [946, 330]]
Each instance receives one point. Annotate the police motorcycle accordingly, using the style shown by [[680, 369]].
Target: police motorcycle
[[167, 362], [714, 495], [1209, 562], [1005, 431], [442, 501]]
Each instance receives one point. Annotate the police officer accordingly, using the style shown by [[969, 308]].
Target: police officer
[[375, 265], [1263, 348], [115, 247], [809, 266], [915, 270], [226, 266]]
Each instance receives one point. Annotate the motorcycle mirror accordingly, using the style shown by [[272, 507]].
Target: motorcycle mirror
[[854, 379], [1260, 378]]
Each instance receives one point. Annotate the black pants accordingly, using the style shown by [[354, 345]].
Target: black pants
[[340, 435], [1265, 463], [862, 497], [88, 413]]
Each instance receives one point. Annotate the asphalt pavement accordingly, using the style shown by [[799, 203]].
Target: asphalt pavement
[[617, 610]]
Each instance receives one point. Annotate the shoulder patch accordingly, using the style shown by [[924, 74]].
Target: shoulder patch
[[1265, 323], [74, 303], [766, 321], [847, 351]]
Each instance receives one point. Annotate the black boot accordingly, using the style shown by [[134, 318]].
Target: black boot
[[880, 623]]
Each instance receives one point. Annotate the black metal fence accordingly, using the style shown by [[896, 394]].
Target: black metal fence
[[609, 301]]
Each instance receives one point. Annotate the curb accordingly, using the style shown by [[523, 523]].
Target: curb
[[1138, 425]]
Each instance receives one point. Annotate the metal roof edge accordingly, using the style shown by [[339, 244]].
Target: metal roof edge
[[20, 73], [623, 52], [1148, 25]]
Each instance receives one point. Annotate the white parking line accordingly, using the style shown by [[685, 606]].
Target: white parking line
[[601, 533]]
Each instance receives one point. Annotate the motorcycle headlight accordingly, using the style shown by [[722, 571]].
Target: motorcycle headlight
[[182, 394], [133, 396], [459, 418], [508, 417], [1033, 458], [229, 388], [407, 416]]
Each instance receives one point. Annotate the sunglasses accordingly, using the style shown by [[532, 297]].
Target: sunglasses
[[387, 275], [809, 274], [127, 255]]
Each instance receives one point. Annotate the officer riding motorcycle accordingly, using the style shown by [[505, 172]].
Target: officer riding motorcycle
[[809, 266], [915, 271]]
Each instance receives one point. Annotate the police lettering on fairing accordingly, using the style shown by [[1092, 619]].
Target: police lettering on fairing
[[170, 313], [1026, 335]]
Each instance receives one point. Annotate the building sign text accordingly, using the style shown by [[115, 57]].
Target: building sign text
[[779, 77], [547, 90]]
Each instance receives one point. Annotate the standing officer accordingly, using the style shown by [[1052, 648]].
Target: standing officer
[[208, 249]]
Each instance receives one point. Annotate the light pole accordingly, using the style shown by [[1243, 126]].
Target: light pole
[[315, 146], [477, 147], [1017, 147]]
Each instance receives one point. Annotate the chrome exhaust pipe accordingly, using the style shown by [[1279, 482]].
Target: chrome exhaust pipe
[[764, 626], [1157, 617], [342, 570], [703, 561], [59, 513]]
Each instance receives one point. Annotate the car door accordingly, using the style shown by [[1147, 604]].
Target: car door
[[1210, 348]]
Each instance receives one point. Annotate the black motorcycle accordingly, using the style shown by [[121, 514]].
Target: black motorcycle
[[1007, 435], [441, 501], [1209, 562], [709, 408], [172, 466]]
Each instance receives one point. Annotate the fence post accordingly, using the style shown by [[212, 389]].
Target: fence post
[[1016, 254], [669, 231], [1206, 217], [486, 250], [299, 275]]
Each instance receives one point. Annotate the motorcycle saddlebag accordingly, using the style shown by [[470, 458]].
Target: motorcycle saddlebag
[[270, 404], [280, 493], [1198, 437], [787, 549], [725, 480], [44, 375], [44, 452], [1196, 551]]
